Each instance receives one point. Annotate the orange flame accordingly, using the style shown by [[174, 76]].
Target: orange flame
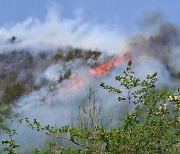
[[75, 83], [108, 65], [98, 70], [101, 69]]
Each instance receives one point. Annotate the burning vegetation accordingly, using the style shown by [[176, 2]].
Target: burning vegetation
[[25, 67], [107, 65]]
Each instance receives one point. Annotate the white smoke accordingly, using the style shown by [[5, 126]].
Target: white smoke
[[57, 106], [53, 72], [56, 31]]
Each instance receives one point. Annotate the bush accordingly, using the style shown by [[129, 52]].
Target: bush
[[4, 111], [79, 53], [69, 55], [13, 91], [57, 56], [92, 54], [66, 75]]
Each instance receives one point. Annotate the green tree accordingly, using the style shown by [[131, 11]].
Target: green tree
[[151, 127], [92, 54], [69, 55]]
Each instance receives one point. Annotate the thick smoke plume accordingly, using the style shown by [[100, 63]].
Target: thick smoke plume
[[161, 41], [161, 44]]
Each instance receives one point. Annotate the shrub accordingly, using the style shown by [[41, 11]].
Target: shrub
[[4, 111], [57, 56], [92, 54], [66, 75], [13, 91], [79, 53], [69, 55]]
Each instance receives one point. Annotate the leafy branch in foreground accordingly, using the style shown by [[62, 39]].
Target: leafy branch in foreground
[[85, 134], [10, 144], [151, 127], [136, 89]]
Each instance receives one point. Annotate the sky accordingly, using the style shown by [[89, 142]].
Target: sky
[[118, 13]]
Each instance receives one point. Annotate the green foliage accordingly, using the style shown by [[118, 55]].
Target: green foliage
[[79, 53], [152, 130], [66, 75], [131, 84], [50, 147], [92, 54], [152, 126], [73, 53], [10, 144], [58, 55], [13, 91], [84, 134], [4, 111], [69, 55], [8, 79]]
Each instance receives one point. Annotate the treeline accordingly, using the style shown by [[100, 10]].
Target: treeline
[[18, 69]]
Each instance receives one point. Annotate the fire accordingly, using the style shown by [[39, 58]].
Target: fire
[[75, 83], [98, 70], [108, 65], [101, 69]]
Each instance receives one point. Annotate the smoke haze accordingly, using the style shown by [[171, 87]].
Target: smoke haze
[[152, 50]]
